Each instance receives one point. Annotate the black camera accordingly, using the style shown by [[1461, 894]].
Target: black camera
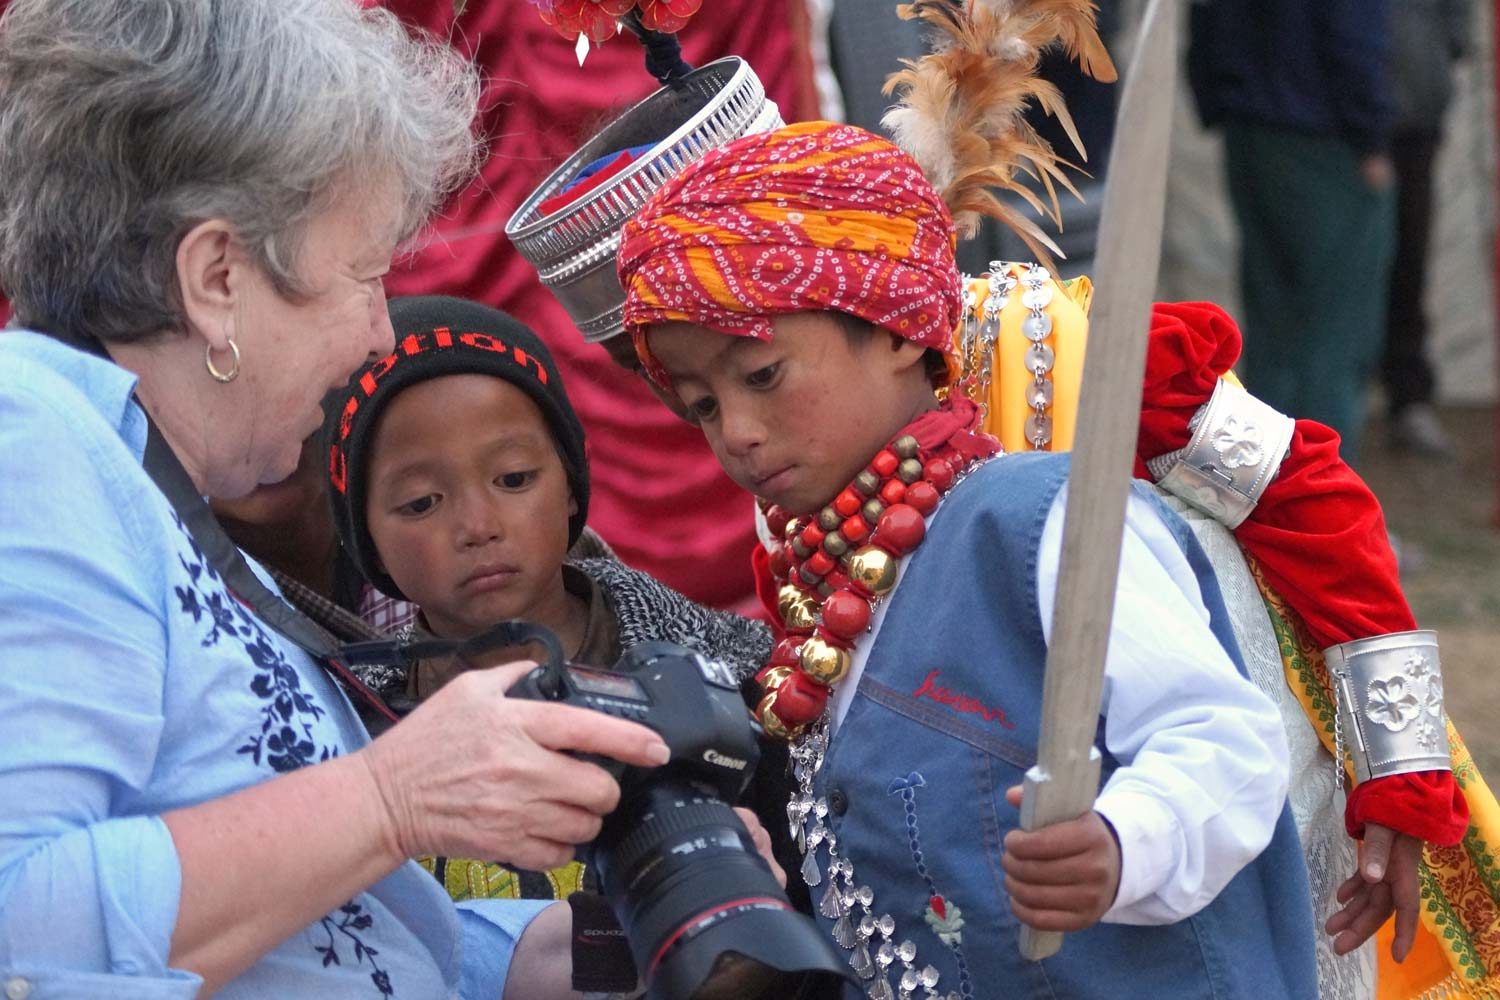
[[702, 912]]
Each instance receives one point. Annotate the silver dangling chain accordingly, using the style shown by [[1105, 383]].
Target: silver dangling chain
[[848, 904], [1037, 327]]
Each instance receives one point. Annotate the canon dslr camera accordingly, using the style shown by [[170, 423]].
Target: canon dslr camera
[[702, 912]]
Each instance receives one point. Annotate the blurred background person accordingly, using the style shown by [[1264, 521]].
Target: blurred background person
[[1429, 36], [1303, 94]]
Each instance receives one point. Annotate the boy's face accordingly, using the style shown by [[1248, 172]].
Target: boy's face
[[794, 419], [468, 503]]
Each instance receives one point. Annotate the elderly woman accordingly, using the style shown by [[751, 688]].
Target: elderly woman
[[199, 200]]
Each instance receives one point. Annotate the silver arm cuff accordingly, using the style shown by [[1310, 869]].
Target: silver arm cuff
[[1235, 452], [1390, 695]]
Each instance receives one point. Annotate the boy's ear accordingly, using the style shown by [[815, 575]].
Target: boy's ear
[[572, 504], [905, 353]]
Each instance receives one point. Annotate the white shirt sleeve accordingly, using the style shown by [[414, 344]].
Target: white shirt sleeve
[[1203, 757]]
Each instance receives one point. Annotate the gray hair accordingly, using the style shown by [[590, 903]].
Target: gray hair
[[124, 123]]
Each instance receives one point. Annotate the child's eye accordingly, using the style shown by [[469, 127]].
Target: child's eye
[[762, 378], [703, 408], [517, 480], [417, 507]]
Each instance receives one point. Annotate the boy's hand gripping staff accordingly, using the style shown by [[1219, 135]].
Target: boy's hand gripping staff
[[1065, 780]]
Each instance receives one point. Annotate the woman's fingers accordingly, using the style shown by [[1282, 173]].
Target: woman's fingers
[[538, 855], [554, 776], [762, 841], [563, 824], [469, 771], [581, 730]]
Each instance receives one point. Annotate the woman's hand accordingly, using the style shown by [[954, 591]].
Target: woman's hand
[[1386, 882], [472, 773], [762, 842]]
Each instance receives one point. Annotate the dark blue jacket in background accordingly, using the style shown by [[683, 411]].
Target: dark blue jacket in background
[[1322, 67]]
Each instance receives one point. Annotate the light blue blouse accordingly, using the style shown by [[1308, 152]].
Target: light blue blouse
[[131, 684]]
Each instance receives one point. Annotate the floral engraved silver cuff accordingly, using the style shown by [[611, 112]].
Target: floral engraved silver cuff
[[1236, 449], [1390, 694]]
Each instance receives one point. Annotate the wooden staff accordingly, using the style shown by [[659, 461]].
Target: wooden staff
[[1065, 780]]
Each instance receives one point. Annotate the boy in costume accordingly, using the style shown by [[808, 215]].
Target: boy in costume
[[908, 741]]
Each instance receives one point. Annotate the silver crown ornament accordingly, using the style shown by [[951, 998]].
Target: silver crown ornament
[[573, 248]]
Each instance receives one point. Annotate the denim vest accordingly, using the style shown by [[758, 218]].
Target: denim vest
[[916, 786]]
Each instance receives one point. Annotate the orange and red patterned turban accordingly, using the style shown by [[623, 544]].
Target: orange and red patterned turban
[[813, 216]]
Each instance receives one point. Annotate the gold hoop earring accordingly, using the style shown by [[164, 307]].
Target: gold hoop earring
[[234, 370]]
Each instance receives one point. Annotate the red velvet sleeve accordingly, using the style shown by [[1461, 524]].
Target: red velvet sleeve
[[1318, 535]]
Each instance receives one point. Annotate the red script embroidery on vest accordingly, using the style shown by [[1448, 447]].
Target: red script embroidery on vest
[[960, 702]]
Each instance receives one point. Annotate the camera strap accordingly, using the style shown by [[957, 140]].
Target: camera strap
[[506, 634], [229, 562]]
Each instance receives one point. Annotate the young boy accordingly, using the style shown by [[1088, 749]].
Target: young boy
[[795, 289], [459, 481]]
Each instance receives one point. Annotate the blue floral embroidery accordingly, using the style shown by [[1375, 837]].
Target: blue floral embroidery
[[350, 919], [285, 736], [219, 608], [907, 788], [286, 740]]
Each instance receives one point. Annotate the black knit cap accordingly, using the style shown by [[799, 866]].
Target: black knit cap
[[436, 336]]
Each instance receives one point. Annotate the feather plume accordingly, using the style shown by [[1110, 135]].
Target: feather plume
[[962, 106]]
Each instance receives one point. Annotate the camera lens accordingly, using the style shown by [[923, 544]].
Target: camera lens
[[701, 909]]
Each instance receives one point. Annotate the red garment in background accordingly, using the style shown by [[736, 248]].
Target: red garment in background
[[658, 495], [1318, 534]]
